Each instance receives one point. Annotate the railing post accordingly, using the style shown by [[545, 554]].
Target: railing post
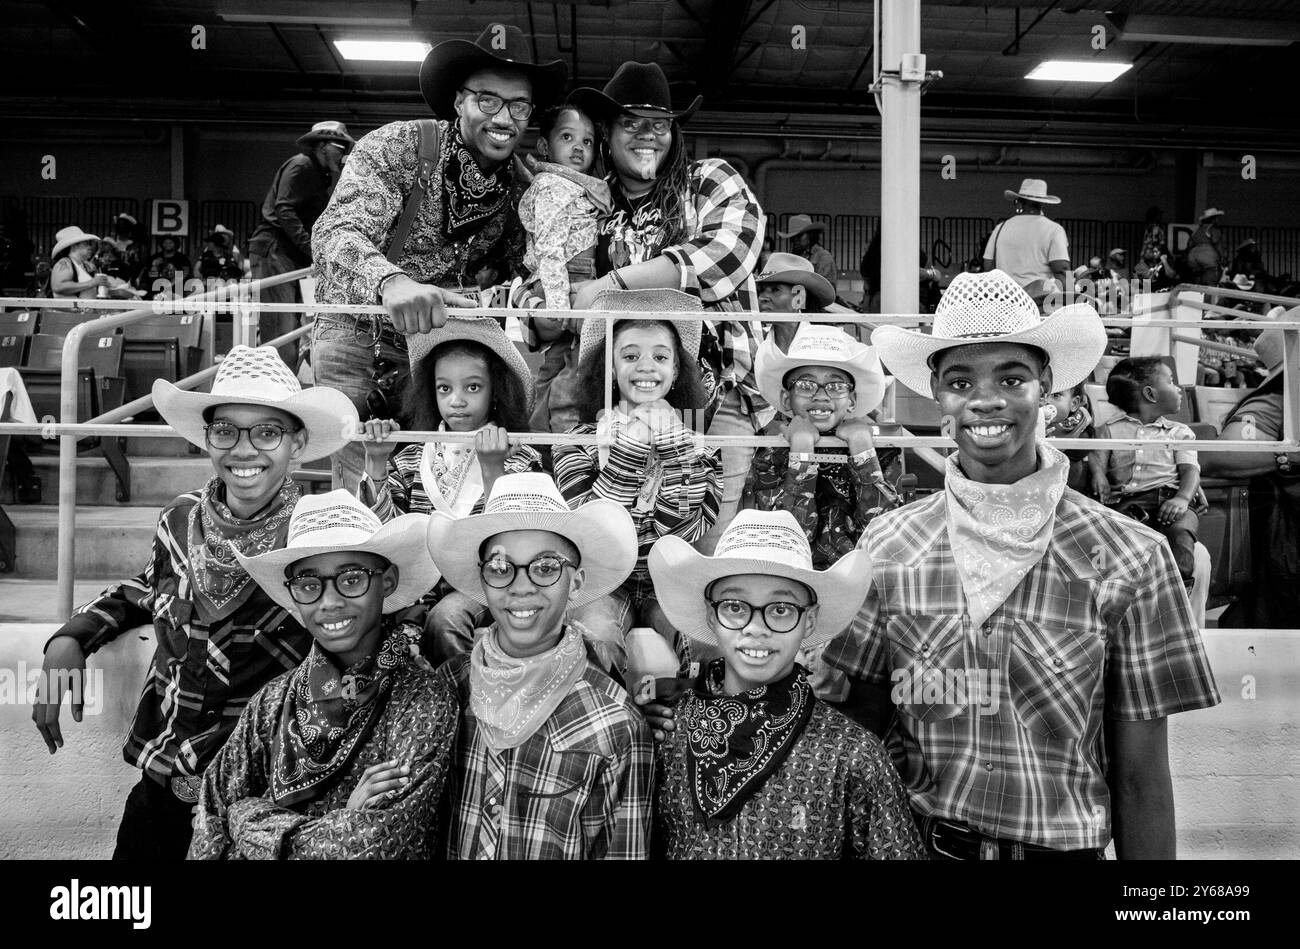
[[68, 392]]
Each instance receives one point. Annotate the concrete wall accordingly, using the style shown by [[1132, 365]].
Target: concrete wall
[[1235, 766]]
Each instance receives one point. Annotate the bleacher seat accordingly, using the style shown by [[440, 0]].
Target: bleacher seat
[[18, 322], [45, 351], [93, 398], [185, 328], [1213, 403], [144, 360], [13, 350], [60, 322]]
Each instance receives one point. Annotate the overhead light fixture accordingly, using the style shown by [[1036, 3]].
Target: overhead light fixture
[[1206, 30], [372, 13], [383, 51], [1078, 70]]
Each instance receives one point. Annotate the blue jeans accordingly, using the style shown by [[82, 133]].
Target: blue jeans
[[732, 418]]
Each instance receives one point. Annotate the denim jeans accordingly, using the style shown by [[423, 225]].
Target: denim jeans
[[732, 418], [270, 325], [155, 825]]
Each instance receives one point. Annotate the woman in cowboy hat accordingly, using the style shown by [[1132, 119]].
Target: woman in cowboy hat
[[482, 94], [1030, 246], [73, 273], [788, 284], [1072, 617], [683, 225], [757, 767]]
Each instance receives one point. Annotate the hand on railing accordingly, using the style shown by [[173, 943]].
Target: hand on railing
[[377, 451], [418, 307]]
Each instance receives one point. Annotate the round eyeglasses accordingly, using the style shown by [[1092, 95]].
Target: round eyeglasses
[[350, 583], [632, 124], [809, 388], [544, 571], [779, 617], [264, 436], [490, 104]]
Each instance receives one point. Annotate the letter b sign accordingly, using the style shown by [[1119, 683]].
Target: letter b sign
[[171, 218]]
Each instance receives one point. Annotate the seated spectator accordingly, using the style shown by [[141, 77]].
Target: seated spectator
[[1155, 271], [126, 231], [1070, 418], [221, 259], [788, 284], [73, 274]]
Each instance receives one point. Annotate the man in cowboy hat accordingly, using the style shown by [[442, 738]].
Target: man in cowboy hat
[[1205, 249], [788, 284], [346, 757], [1030, 246], [1071, 618], [805, 240], [553, 761], [220, 638], [282, 242], [482, 94]]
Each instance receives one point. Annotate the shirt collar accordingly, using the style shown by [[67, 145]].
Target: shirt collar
[[1160, 422]]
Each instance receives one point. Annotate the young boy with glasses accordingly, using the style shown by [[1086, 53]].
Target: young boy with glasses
[[220, 638], [552, 761]]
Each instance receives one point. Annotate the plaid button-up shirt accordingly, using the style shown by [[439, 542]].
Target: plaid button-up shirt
[[579, 789], [1001, 726]]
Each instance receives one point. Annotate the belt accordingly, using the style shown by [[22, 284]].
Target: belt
[[956, 841], [184, 787], [370, 329]]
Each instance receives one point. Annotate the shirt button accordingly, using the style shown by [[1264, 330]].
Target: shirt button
[[988, 766], [988, 631], [1057, 662], [492, 800]]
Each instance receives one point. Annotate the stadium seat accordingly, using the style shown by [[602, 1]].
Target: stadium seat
[[43, 387], [144, 360], [60, 322], [1213, 403], [17, 323], [13, 350], [185, 328]]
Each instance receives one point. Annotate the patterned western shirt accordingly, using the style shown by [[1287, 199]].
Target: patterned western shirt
[[579, 789], [402, 492], [1153, 465], [201, 677], [1001, 726]]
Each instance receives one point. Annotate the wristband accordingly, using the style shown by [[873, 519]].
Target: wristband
[[614, 275], [395, 273], [801, 457]]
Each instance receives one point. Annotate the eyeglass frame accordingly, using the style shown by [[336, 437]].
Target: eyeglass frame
[[505, 104], [332, 580], [622, 121], [528, 569], [821, 387], [762, 611], [240, 431]]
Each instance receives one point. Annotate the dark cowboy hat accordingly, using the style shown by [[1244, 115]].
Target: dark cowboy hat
[[639, 88], [450, 63], [335, 132]]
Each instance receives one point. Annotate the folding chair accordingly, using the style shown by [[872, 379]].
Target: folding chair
[[13, 350]]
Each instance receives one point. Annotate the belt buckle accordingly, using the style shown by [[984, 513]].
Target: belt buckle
[[185, 787], [375, 331]]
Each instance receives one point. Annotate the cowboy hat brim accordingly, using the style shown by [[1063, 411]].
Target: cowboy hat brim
[[336, 138], [813, 226], [771, 366], [477, 330], [326, 415], [448, 64], [677, 566], [71, 242], [1072, 336], [818, 287], [400, 541], [1040, 198], [598, 105], [601, 530]]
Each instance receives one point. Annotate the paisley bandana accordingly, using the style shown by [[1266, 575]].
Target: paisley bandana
[[451, 476], [999, 531], [328, 715], [221, 585], [736, 741], [470, 197], [512, 698]]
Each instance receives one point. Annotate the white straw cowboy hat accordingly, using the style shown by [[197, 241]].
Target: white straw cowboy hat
[[337, 521], [249, 376], [800, 223], [791, 268], [763, 542], [1033, 189], [818, 345], [483, 330], [1211, 212], [501, 47], [992, 308], [335, 133], [601, 530], [69, 237]]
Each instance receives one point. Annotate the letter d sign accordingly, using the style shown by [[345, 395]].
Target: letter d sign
[[171, 218]]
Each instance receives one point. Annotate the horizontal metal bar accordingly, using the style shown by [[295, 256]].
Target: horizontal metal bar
[[1218, 347]]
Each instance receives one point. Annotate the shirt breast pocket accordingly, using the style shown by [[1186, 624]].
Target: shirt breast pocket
[[557, 797], [926, 665], [1054, 675]]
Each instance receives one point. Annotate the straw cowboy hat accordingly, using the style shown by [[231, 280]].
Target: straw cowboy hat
[[818, 345], [1033, 189], [770, 543], [335, 133], [483, 330], [249, 376], [1211, 212], [791, 268], [992, 308], [1243, 281], [800, 223], [337, 521], [602, 530], [450, 63], [1270, 345], [69, 237], [639, 88]]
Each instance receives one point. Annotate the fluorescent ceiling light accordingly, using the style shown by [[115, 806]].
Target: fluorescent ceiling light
[[403, 51], [372, 13], [1212, 31], [1078, 70]]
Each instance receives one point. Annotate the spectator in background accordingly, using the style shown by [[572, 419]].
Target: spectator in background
[[1205, 250], [221, 259], [789, 285], [805, 240], [1117, 263], [169, 263], [1155, 270], [1030, 246], [1247, 261], [297, 196], [1154, 234], [73, 273], [929, 277], [125, 231]]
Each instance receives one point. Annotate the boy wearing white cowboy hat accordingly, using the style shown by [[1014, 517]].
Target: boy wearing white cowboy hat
[[1031, 247], [553, 761], [755, 766], [788, 284], [805, 241], [345, 757], [220, 638], [1071, 617]]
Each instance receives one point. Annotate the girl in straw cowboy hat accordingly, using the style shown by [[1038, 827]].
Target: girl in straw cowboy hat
[[757, 767], [647, 460], [220, 638], [346, 756], [1068, 619]]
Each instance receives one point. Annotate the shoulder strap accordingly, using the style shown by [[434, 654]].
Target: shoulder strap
[[996, 237], [428, 161]]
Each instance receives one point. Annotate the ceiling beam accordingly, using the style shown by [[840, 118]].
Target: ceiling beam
[[721, 42]]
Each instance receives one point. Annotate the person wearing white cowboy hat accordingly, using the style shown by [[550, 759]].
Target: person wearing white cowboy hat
[[255, 424], [72, 273], [532, 690], [1205, 249], [1001, 569], [789, 284], [751, 765], [1030, 246], [462, 209], [348, 755], [805, 241]]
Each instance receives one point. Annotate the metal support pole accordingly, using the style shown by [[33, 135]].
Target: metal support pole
[[900, 159]]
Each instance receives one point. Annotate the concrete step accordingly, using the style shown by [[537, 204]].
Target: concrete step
[[111, 541], [154, 481], [25, 600]]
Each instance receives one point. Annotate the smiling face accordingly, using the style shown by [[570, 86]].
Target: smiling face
[[530, 617], [252, 476], [491, 139], [822, 409], [462, 387], [755, 655], [991, 393], [638, 155], [572, 141], [347, 627], [782, 298], [645, 361]]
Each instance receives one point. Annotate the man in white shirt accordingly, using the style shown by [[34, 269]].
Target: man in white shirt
[[1030, 246]]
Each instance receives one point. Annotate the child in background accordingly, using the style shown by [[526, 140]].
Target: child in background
[[559, 211], [1155, 484], [1069, 418]]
